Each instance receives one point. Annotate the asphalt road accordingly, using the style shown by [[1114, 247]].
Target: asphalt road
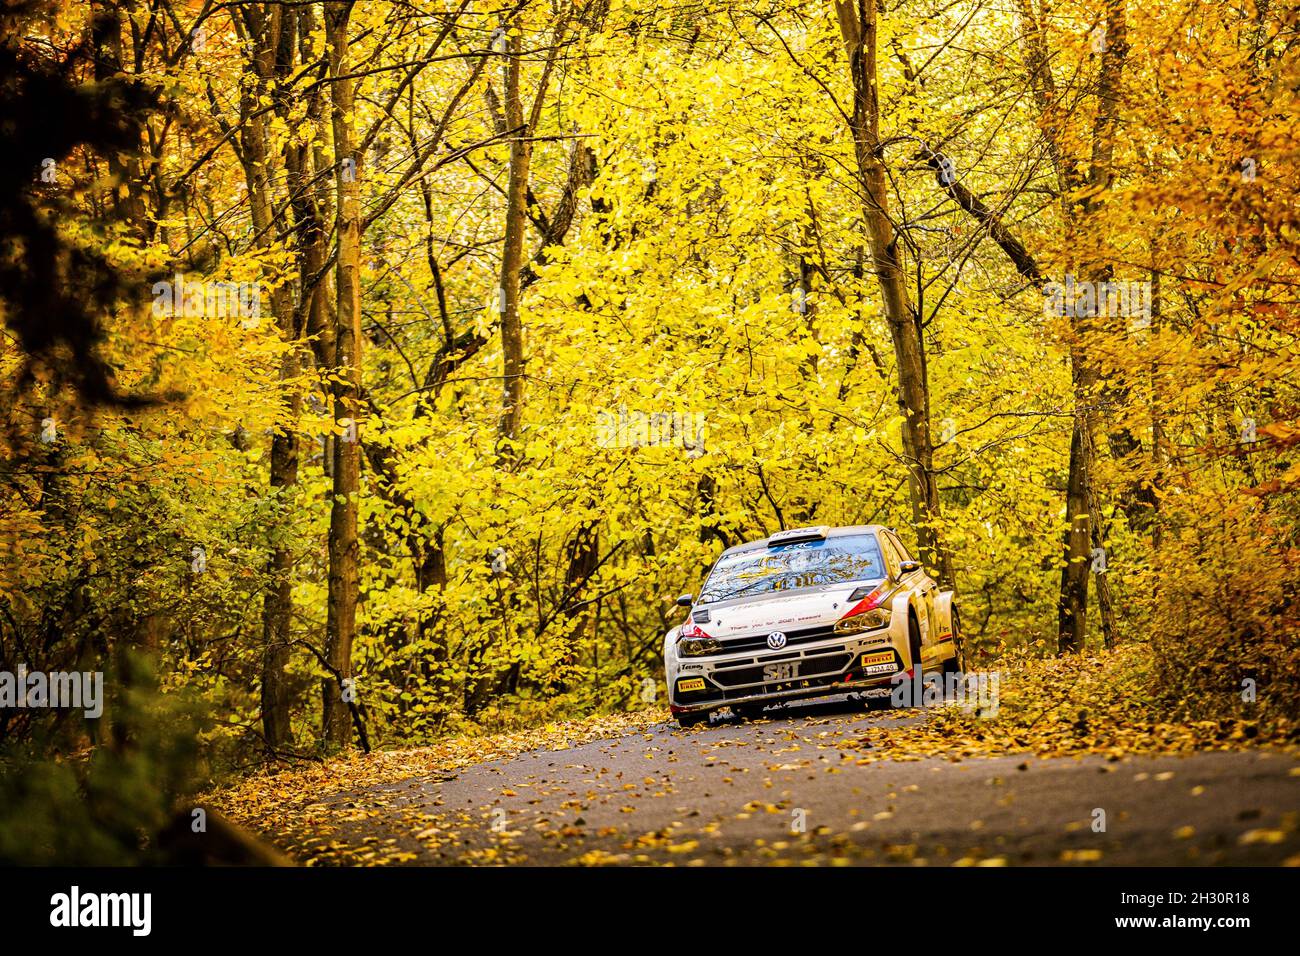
[[784, 790]]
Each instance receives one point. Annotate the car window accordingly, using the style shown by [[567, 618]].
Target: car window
[[891, 554], [903, 553], [803, 564]]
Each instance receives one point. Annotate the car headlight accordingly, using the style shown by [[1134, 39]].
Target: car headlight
[[693, 641], [871, 620], [697, 646]]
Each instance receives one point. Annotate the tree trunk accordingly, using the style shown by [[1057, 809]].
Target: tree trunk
[[1157, 419], [128, 182], [1073, 604], [857, 20], [344, 546], [277, 611], [512, 334], [1081, 496], [584, 560], [272, 37]]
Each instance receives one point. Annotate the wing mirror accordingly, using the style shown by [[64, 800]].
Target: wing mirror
[[908, 567], [686, 600]]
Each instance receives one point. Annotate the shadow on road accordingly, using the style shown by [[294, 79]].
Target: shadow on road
[[842, 705]]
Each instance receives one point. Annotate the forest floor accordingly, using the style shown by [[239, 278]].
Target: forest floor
[[824, 783]]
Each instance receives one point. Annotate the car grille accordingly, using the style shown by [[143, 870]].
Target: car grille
[[809, 667], [755, 642]]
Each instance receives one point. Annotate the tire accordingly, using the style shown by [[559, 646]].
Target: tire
[[914, 644], [952, 665], [693, 719]]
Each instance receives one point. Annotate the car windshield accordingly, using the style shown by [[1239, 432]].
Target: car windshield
[[802, 564]]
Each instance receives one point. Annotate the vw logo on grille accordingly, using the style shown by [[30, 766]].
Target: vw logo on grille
[[776, 640]]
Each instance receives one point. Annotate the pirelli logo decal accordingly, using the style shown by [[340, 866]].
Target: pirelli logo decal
[[881, 662], [688, 684]]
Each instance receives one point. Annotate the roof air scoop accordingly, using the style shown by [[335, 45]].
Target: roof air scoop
[[798, 534]]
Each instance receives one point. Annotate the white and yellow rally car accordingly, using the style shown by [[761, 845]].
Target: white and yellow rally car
[[811, 612]]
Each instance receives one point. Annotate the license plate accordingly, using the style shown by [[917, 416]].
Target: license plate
[[689, 684], [882, 662]]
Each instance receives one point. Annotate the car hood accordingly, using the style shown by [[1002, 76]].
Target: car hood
[[793, 611]]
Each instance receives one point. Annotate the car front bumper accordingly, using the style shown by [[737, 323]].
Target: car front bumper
[[827, 667]]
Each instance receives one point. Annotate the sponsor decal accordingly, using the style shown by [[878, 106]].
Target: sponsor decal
[[786, 670], [688, 684], [691, 629], [882, 662]]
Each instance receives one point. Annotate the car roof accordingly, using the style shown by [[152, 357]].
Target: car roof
[[840, 532]]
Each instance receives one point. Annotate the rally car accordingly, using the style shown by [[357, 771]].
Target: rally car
[[810, 612]]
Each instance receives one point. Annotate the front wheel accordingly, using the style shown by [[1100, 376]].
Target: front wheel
[[693, 719], [879, 702]]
